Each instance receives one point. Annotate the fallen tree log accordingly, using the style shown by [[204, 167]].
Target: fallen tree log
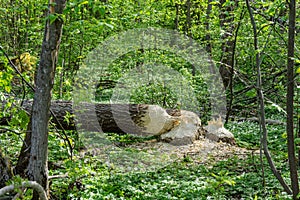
[[116, 118], [178, 127]]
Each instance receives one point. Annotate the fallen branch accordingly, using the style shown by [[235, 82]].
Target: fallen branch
[[58, 176], [28, 184]]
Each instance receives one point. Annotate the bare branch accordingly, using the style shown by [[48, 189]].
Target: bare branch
[[28, 184], [264, 138]]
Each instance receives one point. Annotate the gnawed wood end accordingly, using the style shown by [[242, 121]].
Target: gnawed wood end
[[216, 131]]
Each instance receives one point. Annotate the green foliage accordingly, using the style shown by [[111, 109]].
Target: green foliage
[[17, 182], [177, 181], [19, 119], [155, 77], [5, 75], [88, 23], [248, 135], [234, 178]]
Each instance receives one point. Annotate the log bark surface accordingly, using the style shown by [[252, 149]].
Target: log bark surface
[[129, 116]]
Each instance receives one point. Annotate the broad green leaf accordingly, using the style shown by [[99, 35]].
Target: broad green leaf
[[83, 3]]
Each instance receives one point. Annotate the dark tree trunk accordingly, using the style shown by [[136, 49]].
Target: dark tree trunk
[[177, 17], [290, 100], [227, 26], [231, 95], [188, 23], [23, 158], [5, 170], [207, 28]]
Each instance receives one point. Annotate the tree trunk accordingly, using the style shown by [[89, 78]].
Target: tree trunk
[[231, 97], [261, 104], [290, 100], [37, 167], [5, 170], [64, 113], [188, 23], [227, 26], [207, 28]]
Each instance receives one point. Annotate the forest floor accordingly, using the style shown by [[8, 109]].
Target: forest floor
[[151, 155], [202, 151], [126, 167]]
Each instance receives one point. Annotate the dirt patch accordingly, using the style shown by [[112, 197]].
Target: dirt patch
[[152, 155], [201, 151]]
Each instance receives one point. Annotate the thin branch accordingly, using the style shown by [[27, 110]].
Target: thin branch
[[58, 176], [3, 129]]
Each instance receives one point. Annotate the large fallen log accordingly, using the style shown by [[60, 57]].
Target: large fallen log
[[178, 127], [116, 118]]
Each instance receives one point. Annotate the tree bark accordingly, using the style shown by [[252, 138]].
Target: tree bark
[[5, 170], [37, 169], [188, 23], [64, 112], [290, 100], [207, 28], [231, 96], [227, 26]]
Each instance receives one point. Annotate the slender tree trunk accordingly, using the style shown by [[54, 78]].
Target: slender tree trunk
[[260, 95], [23, 158], [37, 168], [177, 17], [207, 27], [290, 100], [188, 24]]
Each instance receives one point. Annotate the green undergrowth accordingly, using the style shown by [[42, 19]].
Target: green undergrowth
[[234, 178], [230, 179]]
